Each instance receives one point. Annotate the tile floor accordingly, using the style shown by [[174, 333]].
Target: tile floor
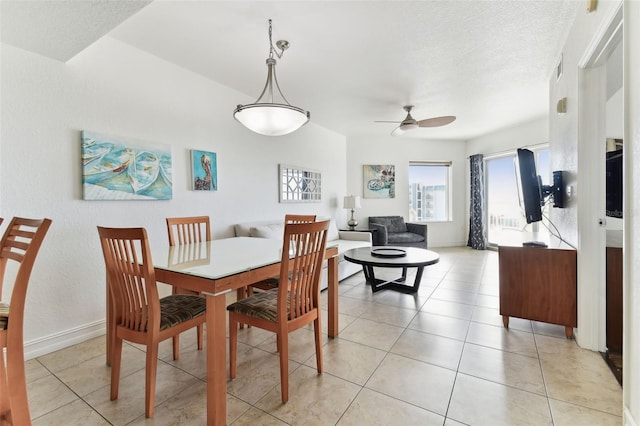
[[440, 357]]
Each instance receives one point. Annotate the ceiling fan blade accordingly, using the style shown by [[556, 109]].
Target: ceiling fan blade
[[437, 121], [384, 121], [398, 131]]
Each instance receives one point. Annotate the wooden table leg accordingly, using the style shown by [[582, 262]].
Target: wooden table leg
[[505, 321], [216, 360], [332, 278]]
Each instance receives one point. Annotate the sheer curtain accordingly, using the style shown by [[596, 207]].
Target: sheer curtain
[[477, 226]]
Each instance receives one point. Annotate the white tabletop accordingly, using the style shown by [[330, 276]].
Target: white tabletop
[[219, 258]]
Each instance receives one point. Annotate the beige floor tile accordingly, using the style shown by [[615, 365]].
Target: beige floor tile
[[492, 316], [254, 417], [75, 413], [457, 296], [349, 361], [565, 414], [301, 344], [458, 285], [501, 338], [34, 370], [449, 309], [584, 379], [73, 355], [430, 348], [130, 402], [450, 327], [389, 314], [258, 373], [93, 374], [403, 300], [353, 307], [416, 382], [372, 333], [252, 336], [366, 410], [47, 394], [189, 408], [316, 399], [488, 301], [480, 402], [554, 330], [471, 276], [507, 368]]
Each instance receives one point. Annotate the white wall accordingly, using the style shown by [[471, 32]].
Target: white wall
[[532, 133], [115, 89], [400, 151], [631, 292]]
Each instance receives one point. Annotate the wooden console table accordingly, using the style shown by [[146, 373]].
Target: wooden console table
[[540, 284]]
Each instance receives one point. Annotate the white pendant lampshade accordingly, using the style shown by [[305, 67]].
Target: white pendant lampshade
[[271, 118]]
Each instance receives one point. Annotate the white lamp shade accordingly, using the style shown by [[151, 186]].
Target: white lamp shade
[[271, 119], [352, 202]]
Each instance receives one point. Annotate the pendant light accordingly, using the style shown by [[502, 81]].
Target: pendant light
[[272, 118]]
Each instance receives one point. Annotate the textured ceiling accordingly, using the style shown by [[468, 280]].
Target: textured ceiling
[[350, 62]]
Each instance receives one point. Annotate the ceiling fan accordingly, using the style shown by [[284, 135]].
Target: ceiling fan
[[410, 123]]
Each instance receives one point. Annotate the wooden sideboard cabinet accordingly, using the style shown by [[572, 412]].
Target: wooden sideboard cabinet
[[539, 283]]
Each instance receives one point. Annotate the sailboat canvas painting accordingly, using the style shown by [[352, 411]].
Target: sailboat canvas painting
[[115, 168]]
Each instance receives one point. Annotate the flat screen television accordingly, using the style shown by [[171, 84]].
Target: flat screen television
[[530, 185]]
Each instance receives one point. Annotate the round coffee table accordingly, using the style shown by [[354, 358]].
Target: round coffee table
[[392, 257]]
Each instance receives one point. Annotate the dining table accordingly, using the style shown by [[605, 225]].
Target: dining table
[[216, 268]]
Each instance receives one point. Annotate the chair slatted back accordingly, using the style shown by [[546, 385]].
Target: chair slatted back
[[131, 278], [21, 243], [302, 271], [185, 230]]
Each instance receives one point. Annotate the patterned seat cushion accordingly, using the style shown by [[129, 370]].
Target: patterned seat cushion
[[179, 308], [261, 305]]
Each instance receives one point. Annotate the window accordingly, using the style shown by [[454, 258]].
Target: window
[[429, 191], [505, 212]]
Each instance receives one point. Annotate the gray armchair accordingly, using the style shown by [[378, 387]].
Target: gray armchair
[[394, 231]]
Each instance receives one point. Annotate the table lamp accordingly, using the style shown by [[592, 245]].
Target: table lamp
[[352, 202]]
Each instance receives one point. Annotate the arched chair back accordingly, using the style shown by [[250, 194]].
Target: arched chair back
[[20, 244], [293, 304], [140, 316]]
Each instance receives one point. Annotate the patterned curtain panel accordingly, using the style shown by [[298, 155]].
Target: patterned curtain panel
[[477, 226]]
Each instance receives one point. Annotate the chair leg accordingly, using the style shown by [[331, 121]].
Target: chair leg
[[116, 358], [200, 331], [284, 364], [17, 386], [233, 346], [150, 379], [318, 332], [176, 347]]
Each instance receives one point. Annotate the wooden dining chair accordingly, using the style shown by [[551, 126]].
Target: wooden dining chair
[[140, 315], [270, 283], [188, 230], [20, 243], [293, 304]]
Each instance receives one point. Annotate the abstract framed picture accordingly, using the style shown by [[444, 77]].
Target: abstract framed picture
[[115, 168], [379, 181], [204, 170]]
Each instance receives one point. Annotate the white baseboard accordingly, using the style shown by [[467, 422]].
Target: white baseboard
[[54, 342]]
